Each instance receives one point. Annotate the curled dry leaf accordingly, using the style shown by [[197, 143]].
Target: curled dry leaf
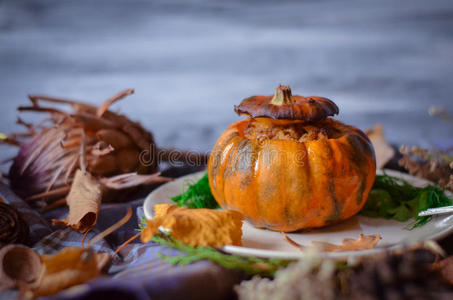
[[19, 265], [196, 227], [38, 276], [71, 266], [74, 265], [84, 200], [383, 151], [364, 242]]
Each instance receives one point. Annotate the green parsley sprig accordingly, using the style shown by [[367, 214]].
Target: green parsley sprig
[[395, 198], [197, 195]]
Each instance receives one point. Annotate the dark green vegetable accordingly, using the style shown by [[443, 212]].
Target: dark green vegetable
[[197, 195], [395, 198]]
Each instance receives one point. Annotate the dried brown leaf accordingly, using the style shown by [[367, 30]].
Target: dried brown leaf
[[293, 242], [71, 266], [196, 227], [39, 276], [84, 200], [384, 152], [74, 265], [364, 242]]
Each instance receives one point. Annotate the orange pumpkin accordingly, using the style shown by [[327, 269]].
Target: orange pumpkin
[[289, 166]]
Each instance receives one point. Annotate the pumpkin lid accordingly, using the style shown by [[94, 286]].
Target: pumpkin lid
[[283, 105]]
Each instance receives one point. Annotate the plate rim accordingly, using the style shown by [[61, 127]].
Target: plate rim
[[257, 252]]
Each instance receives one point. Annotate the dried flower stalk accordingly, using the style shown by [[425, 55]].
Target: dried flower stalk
[[89, 138], [434, 165]]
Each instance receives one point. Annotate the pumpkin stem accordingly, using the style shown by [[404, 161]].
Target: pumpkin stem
[[282, 95]]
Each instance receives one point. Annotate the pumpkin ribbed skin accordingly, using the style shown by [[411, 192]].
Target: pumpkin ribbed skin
[[287, 185]]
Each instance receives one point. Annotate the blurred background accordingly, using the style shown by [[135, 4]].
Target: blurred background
[[190, 61]]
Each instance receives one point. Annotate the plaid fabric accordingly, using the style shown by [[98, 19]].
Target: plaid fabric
[[136, 272]]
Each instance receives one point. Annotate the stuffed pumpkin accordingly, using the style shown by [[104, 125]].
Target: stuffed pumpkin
[[289, 165]]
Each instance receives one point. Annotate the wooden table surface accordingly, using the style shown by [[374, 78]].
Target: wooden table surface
[[380, 61]]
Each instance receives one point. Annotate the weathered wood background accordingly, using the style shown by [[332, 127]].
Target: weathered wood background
[[191, 61]]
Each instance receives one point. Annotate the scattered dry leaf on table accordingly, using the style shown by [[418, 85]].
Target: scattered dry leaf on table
[[364, 242], [84, 200], [36, 276], [19, 265], [71, 266], [196, 227], [384, 152]]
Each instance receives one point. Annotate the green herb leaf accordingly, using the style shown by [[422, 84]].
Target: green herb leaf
[[405, 211], [378, 204], [197, 195], [395, 198], [250, 265]]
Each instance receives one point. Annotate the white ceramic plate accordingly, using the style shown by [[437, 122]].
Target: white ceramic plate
[[265, 243]]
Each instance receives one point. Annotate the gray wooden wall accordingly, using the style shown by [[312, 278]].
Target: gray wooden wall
[[191, 61]]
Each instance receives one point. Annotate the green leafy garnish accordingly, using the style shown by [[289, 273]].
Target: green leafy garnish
[[197, 195], [250, 265], [395, 198]]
